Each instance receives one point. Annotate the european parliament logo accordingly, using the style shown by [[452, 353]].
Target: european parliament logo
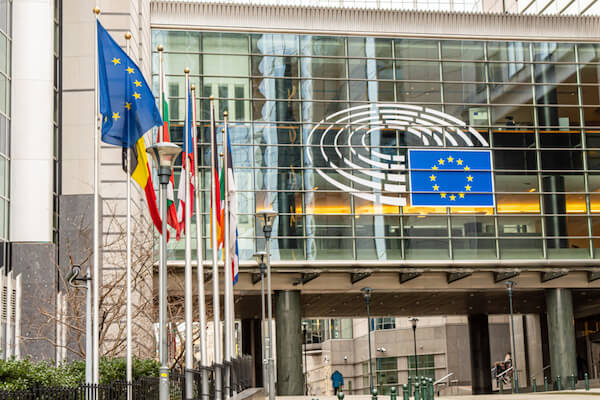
[[451, 178]]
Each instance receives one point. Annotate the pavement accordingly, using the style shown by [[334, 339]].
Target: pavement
[[562, 395]]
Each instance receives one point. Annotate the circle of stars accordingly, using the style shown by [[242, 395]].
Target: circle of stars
[[136, 96], [458, 162]]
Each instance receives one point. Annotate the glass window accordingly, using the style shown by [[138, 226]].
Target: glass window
[[511, 94], [218, 42], [417, 48], [417, 71], [385, 323], [341, 328], [425, 363], [417, 92], [3, 54], [463, 71], [508, 51], [554, 52], [185, 41], [462, 50], [323, 46], [509, 72], [387, 374], [465, 93]]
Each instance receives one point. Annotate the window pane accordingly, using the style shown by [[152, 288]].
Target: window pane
[[217, 42], [508, 51], [459, 71], [462, 50], [415, 48], [418, 70]]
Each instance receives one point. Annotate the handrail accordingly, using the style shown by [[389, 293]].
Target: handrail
[[499, 376], [443, 378]]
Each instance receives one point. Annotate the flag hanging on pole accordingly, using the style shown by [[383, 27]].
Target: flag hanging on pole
[[185, 176], [218, 207], [166, 137], [127, 104], [233, 233], [140, 173]]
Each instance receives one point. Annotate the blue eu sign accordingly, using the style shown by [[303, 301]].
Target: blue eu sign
[[451, 178]]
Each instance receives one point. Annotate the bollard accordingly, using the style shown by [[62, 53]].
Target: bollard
[[409, 385], [341, 396], [587, 381], [558, 385], [501, 386], [405, 392], [572, 379], [545, 384], [431, 389], [534, 385], [393, 393], [374, 394], [417, 394]]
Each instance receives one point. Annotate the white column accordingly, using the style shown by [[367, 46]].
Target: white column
[[32, 115]]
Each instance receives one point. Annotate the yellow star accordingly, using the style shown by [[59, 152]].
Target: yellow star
[[130, 70], [443, 195], [116, 61], [452, 197], [467, 168], [470, 178], [434, 167], [136, 95], [137, 83], [450, 159], [105, 119], [128, 105], [461, 195], [459, 161], [441, 161], [468, 188], [436, 187], [116, 116], [432, 178]]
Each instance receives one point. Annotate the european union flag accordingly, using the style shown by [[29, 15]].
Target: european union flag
[[451, 178], [126, 101]]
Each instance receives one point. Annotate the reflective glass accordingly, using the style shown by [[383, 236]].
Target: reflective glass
[[186, 41], [322, 46], [554, 52], [417, 92], [418, 71], [463, 71], [509, 72], [508, 51], [588, 52], [462, 50], [473, 249], [511, 94], [417, 48], [465, 93], [218, 42]]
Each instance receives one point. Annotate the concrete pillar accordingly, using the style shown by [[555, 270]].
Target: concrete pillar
[[288, 328], [31, 163], [479, 340], [535, 363], [252, 345], [561, 333]]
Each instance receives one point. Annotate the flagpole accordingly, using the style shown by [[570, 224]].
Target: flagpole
[[160, 93], [200, 259], [189, 355], [215, 250], [228, 279], [128, 278], [96, 242]]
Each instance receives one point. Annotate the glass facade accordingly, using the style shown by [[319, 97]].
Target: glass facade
[[535, 105], [5, 104], [426, 366]]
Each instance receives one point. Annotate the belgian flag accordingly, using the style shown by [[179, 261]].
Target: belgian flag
[[140, 173]]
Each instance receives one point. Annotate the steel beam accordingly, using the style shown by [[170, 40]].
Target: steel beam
[[456, 276], [306, 277], [550, 275], [408, 276], [502, 276], [359, 276]]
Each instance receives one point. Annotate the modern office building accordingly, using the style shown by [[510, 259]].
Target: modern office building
[[333, 105]]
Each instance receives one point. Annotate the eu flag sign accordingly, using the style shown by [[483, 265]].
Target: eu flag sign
[[451, 178], [126, 102]]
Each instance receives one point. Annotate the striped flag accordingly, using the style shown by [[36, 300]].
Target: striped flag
[[171, 211], [233, 232], [189, 152], [218, 208]]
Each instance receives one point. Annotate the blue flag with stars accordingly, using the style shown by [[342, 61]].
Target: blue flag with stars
[[127, 104], [451, 178]]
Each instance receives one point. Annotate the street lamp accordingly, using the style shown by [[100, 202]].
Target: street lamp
[[260, 259], [509, 285], [163, 155], [72, 277], [267, 217], [414, 321], [304, 325], [366, 291]]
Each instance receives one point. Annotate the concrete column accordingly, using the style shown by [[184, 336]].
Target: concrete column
[[561, 332], [535, 363], [288, 328], [252, 345], [479, 340], [32, 127]]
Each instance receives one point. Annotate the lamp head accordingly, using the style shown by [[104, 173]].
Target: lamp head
[[164, 155], [509, 284], [267, 216], [366, 291], [413, 321], [260, 257]]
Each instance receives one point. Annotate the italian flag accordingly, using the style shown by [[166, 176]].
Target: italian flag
[[186, 176], [171, 210]]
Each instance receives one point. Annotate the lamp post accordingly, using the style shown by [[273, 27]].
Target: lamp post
[[509, 286], [164, 155], [366, 291], [414, 321], [260, 259], [304, 324], [72, 277], [267, 217]]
